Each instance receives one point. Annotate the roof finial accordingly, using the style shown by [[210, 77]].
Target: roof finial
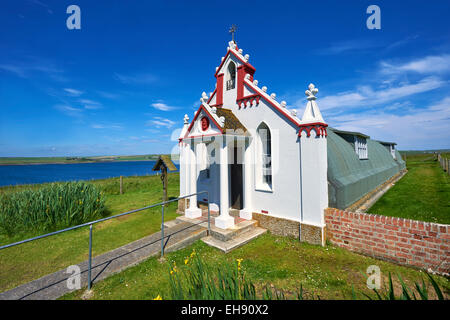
[[232, 31], [312, 112], [311, 92]]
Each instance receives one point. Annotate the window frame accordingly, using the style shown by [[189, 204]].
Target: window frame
[[262, 182]]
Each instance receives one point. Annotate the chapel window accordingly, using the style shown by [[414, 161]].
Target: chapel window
[[265, 148], [231, 76]]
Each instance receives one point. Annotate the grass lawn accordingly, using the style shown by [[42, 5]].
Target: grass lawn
[[35, 259], [422, 194], [328, 272]]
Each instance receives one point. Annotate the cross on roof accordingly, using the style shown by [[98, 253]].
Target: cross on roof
[[232, 31]]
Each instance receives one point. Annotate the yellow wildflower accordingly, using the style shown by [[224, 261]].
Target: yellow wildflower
[[174, 269], [186, 261], [158, 297], [239, 264]]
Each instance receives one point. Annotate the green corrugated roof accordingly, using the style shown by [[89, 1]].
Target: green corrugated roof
[[351, 178]]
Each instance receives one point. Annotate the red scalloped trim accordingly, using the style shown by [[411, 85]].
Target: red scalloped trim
[[251, 98], [319, 127]]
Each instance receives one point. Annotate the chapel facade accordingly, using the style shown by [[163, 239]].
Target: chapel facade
[[259, 160]]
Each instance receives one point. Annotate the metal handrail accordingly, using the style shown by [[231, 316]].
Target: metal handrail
[[91, 223]]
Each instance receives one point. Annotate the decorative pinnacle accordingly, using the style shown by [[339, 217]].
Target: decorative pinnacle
[[186, 119], [204, 97], [311, 92]]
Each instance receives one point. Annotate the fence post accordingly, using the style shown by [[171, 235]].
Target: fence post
[[121, 184], [90, 257], [162, 231]]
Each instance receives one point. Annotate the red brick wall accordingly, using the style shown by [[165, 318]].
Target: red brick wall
[[415, 243]]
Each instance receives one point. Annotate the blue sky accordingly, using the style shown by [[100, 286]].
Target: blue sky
[[122, 84]]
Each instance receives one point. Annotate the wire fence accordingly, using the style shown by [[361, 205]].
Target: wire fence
[[444, 163], [90, 224]]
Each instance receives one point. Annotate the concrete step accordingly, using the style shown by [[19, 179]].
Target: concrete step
[[171, 223], [234, 212], [188, 240], [236, 242], [233, 232]]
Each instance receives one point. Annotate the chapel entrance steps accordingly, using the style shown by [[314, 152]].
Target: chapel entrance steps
[[229, 239]]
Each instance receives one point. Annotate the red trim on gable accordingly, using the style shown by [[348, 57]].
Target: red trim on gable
[[195, 118], [240, 82], [249, 98], [248, 65], [259, 91], [219, 95]]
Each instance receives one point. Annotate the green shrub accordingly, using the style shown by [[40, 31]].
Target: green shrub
[[419, 292], [225, 282], [199, 281], [51, 207]]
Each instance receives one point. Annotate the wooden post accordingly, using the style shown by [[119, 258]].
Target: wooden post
[[164, 181], [121, 185]]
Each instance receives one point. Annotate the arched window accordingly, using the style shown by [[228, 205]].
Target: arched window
[[265, 155], [231, 76]]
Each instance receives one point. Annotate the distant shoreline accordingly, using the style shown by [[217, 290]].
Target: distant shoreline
[[75, 162], [22, 161]]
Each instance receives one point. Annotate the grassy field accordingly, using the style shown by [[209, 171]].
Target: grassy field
[[326, 272], [32, 260], [422, 194], [68, 160]]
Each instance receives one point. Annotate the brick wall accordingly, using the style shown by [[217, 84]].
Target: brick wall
[[403, 241]]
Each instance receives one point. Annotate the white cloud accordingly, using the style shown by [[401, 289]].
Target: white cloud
[[160, 122], [31, 65], [73, 92], [106, 126], [162, 106], [425, 128], [69, 110], [108, 95], [427, 65], [366, 96], [348, 46], [90, 104]]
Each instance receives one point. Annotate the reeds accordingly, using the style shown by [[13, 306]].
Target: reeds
[[49, 208]]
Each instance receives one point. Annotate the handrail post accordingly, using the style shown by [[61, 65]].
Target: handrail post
[[90, 257], [209, 218], [162, 231]]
